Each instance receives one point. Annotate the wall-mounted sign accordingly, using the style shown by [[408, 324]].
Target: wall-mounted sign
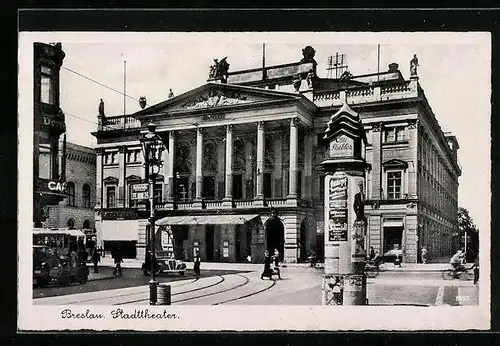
[[59, 124], [56, 186], [213, 117], [342, 146], [140, 191]]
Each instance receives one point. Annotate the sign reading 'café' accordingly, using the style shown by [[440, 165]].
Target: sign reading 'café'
[[341, 146]]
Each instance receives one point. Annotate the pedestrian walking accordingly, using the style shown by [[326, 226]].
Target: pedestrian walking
[[372, 253], [476, 269], [423, 254], [277, 263], [118, 261], [267, 266], [197, 263], [96, 258]]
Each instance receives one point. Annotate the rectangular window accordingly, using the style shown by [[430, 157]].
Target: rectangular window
[[394, 134], [394, 183], [133, 156], [44, 162], [111, 197], [46, 85]]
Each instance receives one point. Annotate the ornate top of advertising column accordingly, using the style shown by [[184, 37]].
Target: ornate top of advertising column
[[345, 139]]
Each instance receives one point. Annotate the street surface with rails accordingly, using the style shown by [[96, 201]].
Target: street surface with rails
[[300, 285]]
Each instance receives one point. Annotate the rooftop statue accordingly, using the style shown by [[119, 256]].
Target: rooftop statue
[[308, 53], [219, 70], [413, 65], [101, 108]]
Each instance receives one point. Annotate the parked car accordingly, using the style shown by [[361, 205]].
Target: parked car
[[165, 263]]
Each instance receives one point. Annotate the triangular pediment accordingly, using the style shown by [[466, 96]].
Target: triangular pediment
[[217, 96]]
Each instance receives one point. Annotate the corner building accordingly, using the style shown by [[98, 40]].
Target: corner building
[[49, 128], [243, 174], [77, 209]]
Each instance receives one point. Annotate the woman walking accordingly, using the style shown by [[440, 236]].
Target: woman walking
[[276, 259], [197, 263], [267, 266]]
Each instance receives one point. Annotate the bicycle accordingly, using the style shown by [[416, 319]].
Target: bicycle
[[450, 274]]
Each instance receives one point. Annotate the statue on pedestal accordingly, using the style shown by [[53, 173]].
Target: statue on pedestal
[[219, 70], [101, 108], [413, 65]]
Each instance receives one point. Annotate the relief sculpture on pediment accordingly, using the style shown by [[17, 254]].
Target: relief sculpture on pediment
[[216, 98]]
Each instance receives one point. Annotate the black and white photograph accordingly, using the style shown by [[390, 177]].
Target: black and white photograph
[[254, 181]]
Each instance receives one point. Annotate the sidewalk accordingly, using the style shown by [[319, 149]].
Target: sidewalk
[[405, 267]]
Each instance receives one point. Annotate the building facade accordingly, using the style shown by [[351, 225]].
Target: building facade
[[77, 209], [243, 170], [48, 132]]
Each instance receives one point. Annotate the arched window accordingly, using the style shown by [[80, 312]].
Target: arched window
[[86, 224], [71, 223], [86, 195], [70, 190]]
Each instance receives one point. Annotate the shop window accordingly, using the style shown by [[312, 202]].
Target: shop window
[[70, 190], [394, 134], [47, 85], [111, 196], [394, 183], [86, 195]]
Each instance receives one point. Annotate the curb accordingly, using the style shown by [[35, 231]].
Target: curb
[[102, 278]]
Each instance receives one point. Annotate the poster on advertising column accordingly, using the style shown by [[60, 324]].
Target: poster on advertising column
[[337, 202], [357, 219]]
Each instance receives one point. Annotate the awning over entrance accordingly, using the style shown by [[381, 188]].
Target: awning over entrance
[[206, 220]]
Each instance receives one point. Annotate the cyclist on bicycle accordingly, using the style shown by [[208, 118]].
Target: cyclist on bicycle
[[457, 260]]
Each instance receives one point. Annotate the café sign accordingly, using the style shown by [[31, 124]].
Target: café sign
[[56, 186], [342, 146]]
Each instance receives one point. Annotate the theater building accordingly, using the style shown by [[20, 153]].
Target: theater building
[[77, 209], [48, 132], [243, 173]]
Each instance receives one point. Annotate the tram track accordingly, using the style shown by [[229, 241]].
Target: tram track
[[222, 279]]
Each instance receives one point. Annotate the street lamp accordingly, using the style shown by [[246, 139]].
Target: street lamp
[[152, 148]]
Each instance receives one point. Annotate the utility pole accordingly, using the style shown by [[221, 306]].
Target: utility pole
[[344, 281]]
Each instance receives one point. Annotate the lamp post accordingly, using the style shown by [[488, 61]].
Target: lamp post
[[152, 148]]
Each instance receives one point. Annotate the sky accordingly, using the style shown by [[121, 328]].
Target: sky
[[454, 73]]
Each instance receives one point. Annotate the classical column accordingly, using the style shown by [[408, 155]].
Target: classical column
[[199, 163], [376, 172], [294, 152], [169, 176], [98, 191], [308, 152], [121, 180], [412, 169], [229, 166], [260, 161]]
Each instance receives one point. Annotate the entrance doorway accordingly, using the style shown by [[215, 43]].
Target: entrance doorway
[[275, 236], [210, 241], [392, 236], [209, 187], [237, 186], [303, 240]]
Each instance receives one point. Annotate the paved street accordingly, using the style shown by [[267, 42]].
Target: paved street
[[299, 286]]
